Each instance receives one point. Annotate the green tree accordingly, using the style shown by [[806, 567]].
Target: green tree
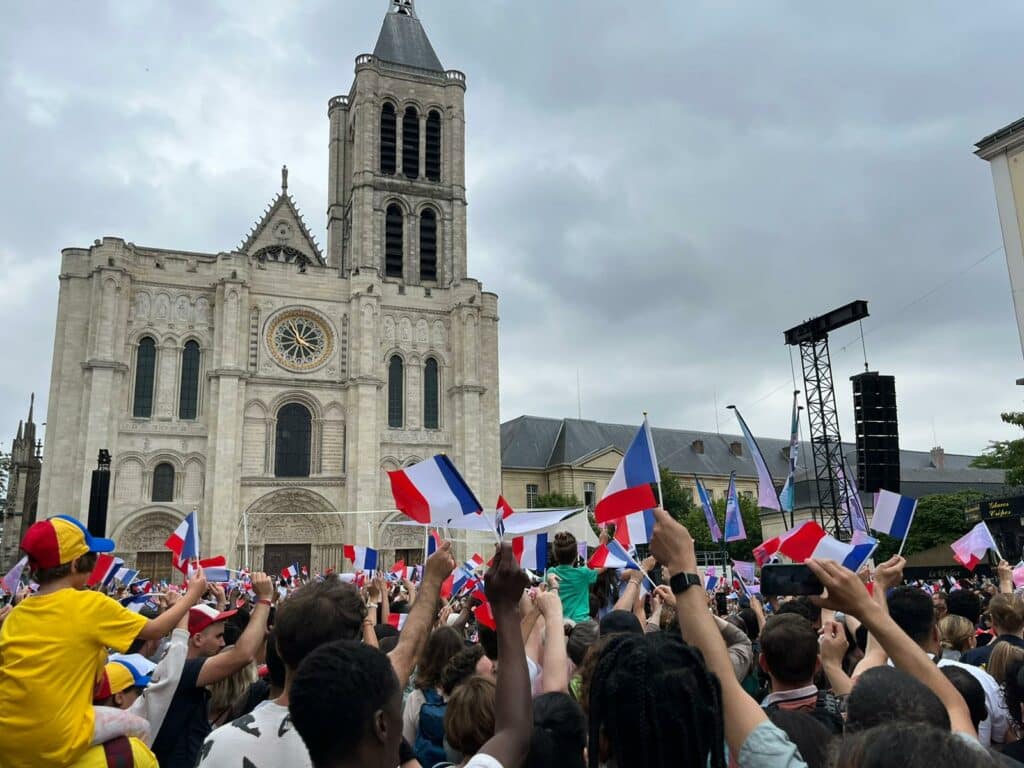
[[676, 500], [557, 501], [939, 519], [1006, 454]]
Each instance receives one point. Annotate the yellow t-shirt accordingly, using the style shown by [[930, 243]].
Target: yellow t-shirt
[[96, 758], [52, 648]]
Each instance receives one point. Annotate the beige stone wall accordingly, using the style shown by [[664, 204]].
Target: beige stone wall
[[114, 293]]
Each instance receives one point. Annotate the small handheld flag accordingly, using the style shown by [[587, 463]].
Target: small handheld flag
[[893, 515], [432, 492], [970, 548], [184, 542], [363, 558], [629, 490], [611, 555], [531, 551], [12, 579]]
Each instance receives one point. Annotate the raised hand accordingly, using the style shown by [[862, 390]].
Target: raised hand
[[890, 573], [672, 544], [262, 586], [440, 564], [196, 586], [505, 580], [833, 644], [845, 592]]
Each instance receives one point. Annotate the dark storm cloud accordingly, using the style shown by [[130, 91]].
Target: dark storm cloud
[[656, 190]]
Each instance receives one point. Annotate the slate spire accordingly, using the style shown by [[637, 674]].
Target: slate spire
[[403, 40]]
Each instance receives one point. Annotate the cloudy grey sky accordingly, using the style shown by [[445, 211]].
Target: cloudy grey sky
[[657, 190]]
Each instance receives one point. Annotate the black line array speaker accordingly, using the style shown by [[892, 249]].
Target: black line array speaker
[[99, 496], [877, 430]]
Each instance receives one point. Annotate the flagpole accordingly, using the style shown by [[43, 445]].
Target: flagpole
[[661, 502], [907, 533]]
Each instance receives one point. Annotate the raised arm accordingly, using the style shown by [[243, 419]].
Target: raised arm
[[556, 659], [167, 620], [421, 614], [846, 593], [673, 546], [248, 645], [513, 708]]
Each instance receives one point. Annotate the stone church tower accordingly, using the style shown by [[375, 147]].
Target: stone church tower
[[270, 387], [19, 511]]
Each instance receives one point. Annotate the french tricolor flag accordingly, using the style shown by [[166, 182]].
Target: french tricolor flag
[[290, 572], [503, 511], [893, 514], [363, 558], [135, 603], [104, 570], [710, 579], [184, 542], [433, 492], [433, 542], [611, 555], [969, 549], [531, 551], [397, 620], [810, 540], [634, 529], [629, 490]]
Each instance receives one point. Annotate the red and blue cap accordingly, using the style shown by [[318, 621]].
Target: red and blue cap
[[60, 540]]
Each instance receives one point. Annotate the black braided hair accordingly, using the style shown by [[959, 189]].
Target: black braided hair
[[656, 703]]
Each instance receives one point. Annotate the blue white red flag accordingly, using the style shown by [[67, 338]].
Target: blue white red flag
[[433, 542], [629, 490], [810, 540], [503, 511], [432, 492], [363, 558], [634, 529], [612, 555], [734, 530], [290, 572], [787, 497], [710, 579], [184, 542], [531, 551], [709, 513], [397, 620], [767, 498], [125, 575], [893, 514], [135, 603]]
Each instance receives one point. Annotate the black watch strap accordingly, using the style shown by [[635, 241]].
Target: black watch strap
[[683, 581]]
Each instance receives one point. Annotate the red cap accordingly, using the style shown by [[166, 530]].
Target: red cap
[[201, 616]]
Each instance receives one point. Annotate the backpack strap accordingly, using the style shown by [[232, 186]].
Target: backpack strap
[[119, 753]]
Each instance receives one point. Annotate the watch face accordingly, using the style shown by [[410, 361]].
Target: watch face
[[299, 341]]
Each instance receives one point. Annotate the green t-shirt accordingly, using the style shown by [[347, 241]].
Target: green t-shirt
[[574, 589]]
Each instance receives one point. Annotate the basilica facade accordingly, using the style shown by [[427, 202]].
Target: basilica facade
[[270, 387]]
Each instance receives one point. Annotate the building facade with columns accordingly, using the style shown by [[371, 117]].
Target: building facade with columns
[[271, 386]]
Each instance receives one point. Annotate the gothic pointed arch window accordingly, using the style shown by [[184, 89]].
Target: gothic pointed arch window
[[394, 241], [411, 143], [388, 139], [188, 398], [163, 482], [396, 392], [431, 395], [293, 438], [428, 245], [145, 372], [432, 160]]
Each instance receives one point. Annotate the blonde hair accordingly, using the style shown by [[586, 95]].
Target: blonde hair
[[1003, 657], [955, 633], [224, 693]]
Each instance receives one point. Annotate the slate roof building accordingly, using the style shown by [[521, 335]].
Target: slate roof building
[[577, 456]]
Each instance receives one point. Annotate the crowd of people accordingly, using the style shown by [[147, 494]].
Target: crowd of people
[[639, 668]]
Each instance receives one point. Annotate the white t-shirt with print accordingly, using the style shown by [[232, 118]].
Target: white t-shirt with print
[[265, 738], [483, 761]]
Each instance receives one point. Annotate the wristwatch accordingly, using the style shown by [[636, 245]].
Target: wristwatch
[[682, 582]]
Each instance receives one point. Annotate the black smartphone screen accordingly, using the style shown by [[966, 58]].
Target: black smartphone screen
[[789, 580]]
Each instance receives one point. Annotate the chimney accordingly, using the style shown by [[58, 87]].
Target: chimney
[[736, 448], [698, 446], [938, 458]]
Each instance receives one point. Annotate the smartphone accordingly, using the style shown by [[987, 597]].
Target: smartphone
[[789, 580]]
